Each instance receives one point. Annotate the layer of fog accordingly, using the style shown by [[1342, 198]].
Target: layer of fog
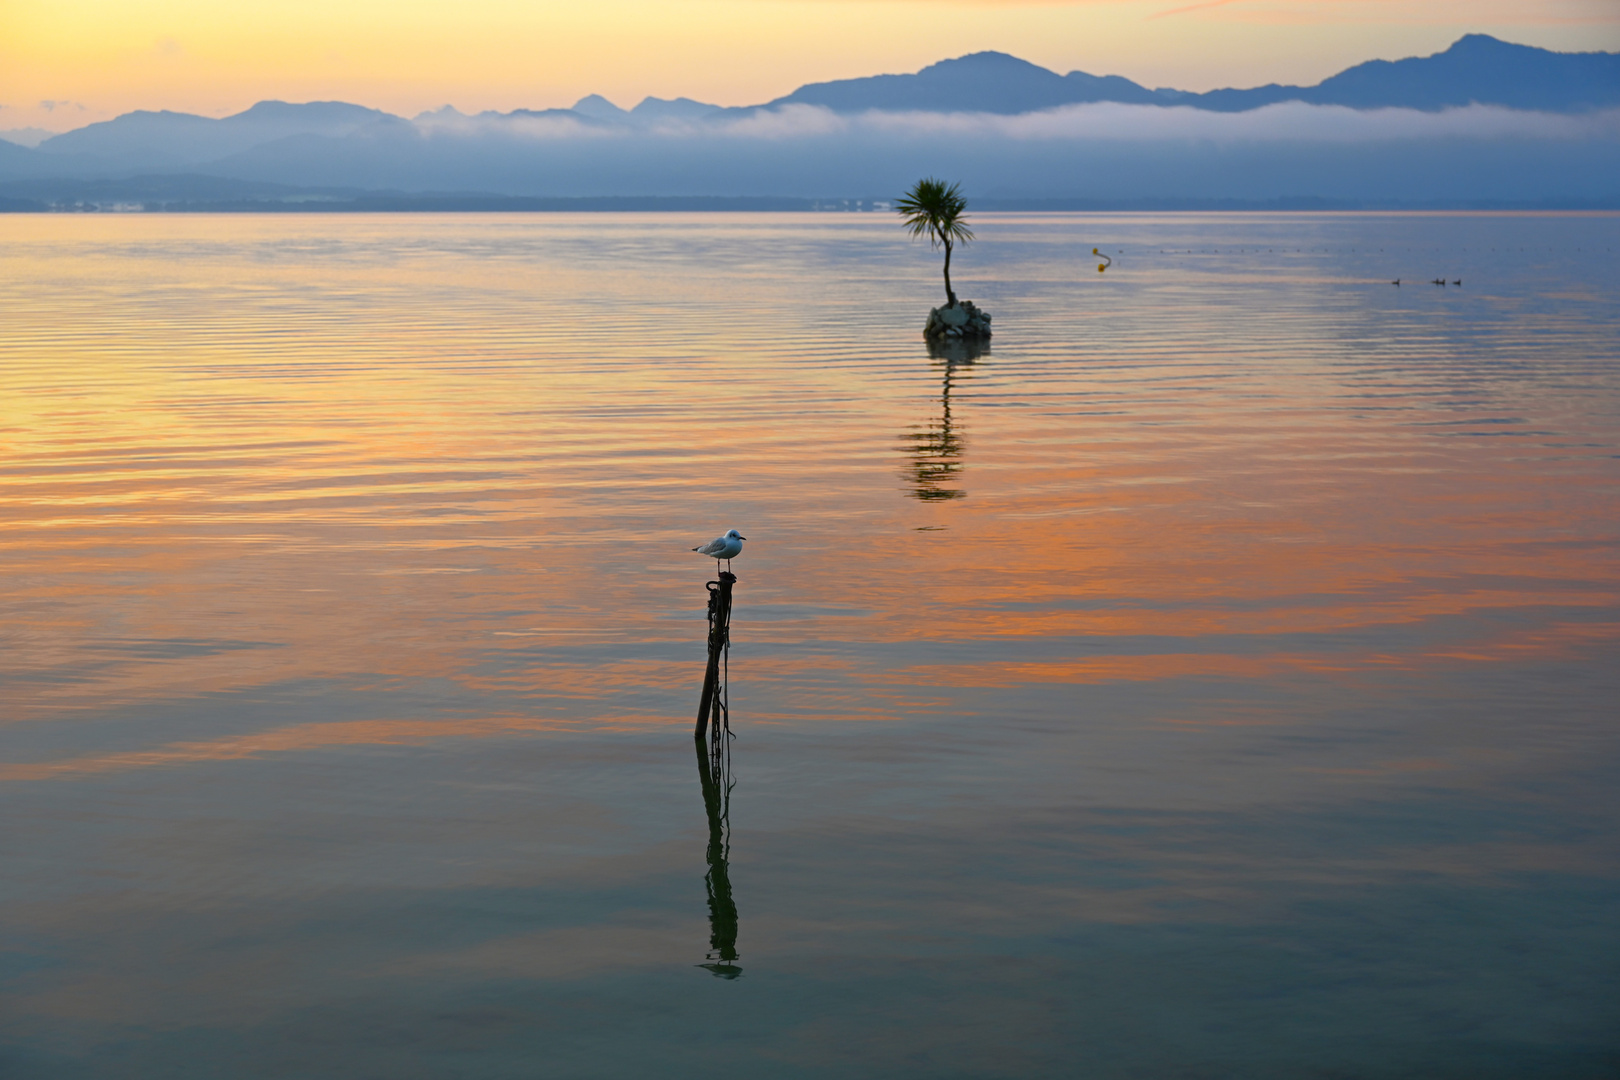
[[1101, 120], [1103, 151]]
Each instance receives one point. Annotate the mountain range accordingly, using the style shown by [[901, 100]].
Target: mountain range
[[1476, 69], [1043, 128]]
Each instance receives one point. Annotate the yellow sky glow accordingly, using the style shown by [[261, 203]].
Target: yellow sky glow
[[64, 63]]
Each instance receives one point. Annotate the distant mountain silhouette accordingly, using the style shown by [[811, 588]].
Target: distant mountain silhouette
[[990, 82], [681, 108], [1477, 68], [160, 140], [25, 136], [323, 154], [598, 107]]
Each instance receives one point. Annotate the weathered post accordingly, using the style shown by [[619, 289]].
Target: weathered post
[[719, 639], [713, 743]]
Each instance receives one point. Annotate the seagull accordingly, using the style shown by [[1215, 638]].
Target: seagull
[[725, 547]]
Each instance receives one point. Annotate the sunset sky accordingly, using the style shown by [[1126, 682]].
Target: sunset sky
[[64, 63]]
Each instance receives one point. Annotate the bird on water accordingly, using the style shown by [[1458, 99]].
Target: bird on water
[[725, 547]]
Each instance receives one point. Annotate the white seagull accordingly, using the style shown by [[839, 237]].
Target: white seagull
[[725, 547]]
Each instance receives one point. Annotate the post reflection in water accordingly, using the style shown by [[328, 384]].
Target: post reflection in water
[[714, 773], [936, 450]]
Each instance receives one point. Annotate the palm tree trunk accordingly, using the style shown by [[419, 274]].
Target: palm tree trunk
[[950, 296]]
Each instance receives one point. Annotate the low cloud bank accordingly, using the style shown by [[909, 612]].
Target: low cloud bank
[[1098, 151], [1290, 121], [1094, 151]]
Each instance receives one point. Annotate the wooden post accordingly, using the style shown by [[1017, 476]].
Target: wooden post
[[719, 638], [712, 741]]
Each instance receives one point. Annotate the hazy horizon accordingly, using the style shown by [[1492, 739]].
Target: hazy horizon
[[1455, 128], [66, 64]]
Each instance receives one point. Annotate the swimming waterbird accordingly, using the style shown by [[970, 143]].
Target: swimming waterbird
[[725, 547]]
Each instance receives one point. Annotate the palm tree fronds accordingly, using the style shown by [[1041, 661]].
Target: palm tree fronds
[[934, 209]]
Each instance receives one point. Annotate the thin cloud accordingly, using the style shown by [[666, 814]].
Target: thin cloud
[[789, 121], [1192, 7], [1296, 122], [1288, 121], [1463, 14], [509, 125]]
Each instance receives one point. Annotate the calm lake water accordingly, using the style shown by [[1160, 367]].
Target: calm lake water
[[1215, 678]]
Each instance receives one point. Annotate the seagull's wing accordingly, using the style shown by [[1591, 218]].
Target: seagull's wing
[[712, 547]]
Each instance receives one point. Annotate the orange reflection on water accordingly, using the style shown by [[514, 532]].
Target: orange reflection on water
[[464, 460], [299, 737]]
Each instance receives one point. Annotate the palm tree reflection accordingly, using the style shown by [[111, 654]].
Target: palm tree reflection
[[714, 774], [936, 450]]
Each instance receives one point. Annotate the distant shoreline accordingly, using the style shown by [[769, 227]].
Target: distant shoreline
[[112, 202]]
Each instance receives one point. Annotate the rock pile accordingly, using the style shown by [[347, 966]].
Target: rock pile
[[962, 320]]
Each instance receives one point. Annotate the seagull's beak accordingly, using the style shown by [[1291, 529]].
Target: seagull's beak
[[740, 536]]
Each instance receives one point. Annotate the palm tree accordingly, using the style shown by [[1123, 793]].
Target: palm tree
[[934, 209]]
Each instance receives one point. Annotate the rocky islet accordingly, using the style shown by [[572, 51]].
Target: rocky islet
[[956, 321]]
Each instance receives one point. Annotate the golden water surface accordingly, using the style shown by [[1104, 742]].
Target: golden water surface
[[346, 560]]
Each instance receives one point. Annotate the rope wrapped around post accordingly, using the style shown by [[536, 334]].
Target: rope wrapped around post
[[714, 703]]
